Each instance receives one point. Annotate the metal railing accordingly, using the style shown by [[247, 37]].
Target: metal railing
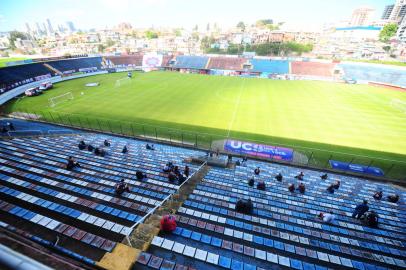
[[317, 158]]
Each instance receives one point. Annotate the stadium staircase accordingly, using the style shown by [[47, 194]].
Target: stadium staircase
[[51, 68]]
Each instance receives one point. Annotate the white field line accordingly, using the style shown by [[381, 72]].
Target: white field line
[[237, 105]]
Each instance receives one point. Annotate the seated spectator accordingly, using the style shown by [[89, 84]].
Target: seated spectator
[[166, 168], [140, 175], [244, 159], [72, 164], [121, 187], [393, 198], [244, 206], [291, 187], [337, 184], [300, 176], [82, 145], [251, 182], [372, 219], [172, 177], [186, 171], [125, 150], [106, 143], [378, 195], [257, 171], [324, 176], [279, 177], [4, 129], [229, 158], [97, 151], [327, 217], [168, 223], [181, 178], [148, 147], [90, 148], [237, 163], [331, 188], [360, 210], [176, 170], [152, 147], [261, 185], [301, 188]]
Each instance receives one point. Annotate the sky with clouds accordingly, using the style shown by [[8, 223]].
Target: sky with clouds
[[88, 14]]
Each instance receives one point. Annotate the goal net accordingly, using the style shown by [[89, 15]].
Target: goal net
[[122, 81], [53, 101], [399, 105]]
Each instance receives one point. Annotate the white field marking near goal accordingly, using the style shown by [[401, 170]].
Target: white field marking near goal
[[53, 101], [122, 81], [398, 104]]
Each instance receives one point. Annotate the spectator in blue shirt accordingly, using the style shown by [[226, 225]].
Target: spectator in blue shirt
[[360, 210]]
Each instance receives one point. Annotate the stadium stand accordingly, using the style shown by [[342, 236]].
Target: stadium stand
[[228, 63], [313, 69], [270, 66], [76, 64], [22, 74], [80, 207], [166, 60], [283, 232], [375, 73], [126, 60], [191, 62]]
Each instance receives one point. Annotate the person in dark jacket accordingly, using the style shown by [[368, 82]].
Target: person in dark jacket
[[300, 176], [90, 148], [125, 150], [121, 187], [82, 145], [261, 185], [331, 188], [72, 164], [244, 206], [378, 195], [393, 198], [186, 171], [324, 176], [337, 184], [372, 219], [140, 175], [257, 171], [106, 143], [291, 187], [251, 182], [279, 177], [301, 188], [172, 177], [360, 210]]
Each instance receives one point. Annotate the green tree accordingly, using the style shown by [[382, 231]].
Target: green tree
[[265, 22], [386, 48], [13, 36], [109, 42], [241, 25], [178, 32], [388, 31], [100, 48], [151, 35]]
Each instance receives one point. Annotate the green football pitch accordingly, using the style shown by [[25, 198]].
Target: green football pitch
[[321, 119]]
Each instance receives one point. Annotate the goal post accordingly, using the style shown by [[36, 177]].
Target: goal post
[[53, 101]]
